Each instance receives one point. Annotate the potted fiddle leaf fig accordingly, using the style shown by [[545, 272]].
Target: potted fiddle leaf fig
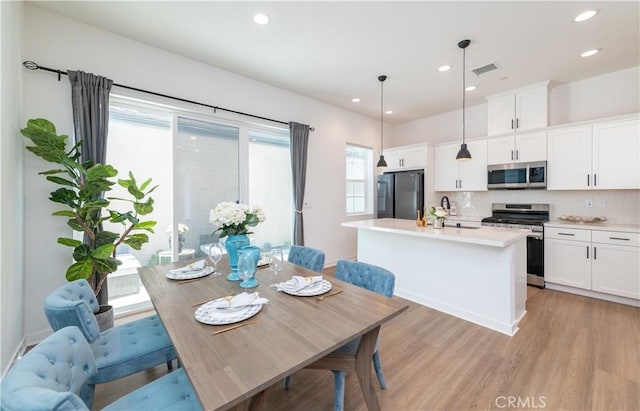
[[82, 189]]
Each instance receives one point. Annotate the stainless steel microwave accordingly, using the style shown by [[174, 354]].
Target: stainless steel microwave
[[517, 175]]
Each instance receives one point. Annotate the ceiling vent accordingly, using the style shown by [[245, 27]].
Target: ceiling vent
[[485, 69]]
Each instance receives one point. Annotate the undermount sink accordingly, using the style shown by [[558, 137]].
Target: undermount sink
[[463, 226]]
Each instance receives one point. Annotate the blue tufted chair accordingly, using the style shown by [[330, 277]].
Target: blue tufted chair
[[53, 373], [307, 257], [120, 351], [372, 278]]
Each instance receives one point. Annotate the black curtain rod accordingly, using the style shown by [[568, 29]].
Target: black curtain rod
[[31, 65]]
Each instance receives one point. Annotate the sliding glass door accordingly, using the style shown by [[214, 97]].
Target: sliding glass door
[[197, 162]]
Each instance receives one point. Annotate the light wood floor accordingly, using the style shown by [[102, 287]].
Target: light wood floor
[[571, 353]]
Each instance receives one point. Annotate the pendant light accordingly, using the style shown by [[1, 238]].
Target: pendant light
[[381, 162], [464, 153]]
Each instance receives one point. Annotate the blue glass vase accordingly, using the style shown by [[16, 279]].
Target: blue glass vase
[[232, 245]]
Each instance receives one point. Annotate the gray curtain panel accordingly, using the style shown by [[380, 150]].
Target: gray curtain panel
[[299, 140], [90, 103]]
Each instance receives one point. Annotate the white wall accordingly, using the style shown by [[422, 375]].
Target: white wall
[[58, 42], [603, 96], [12, 297], [597, 97]]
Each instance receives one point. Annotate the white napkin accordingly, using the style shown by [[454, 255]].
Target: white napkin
[[195, 266], [239, 300], [297, 283]]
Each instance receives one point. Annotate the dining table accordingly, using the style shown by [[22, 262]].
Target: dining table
[[232, 367]]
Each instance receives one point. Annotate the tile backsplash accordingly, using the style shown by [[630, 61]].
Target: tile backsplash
[[619, 206]]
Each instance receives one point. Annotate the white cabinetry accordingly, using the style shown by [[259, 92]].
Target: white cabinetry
[[519, 148], [406, 157], [522, 109], [567, 257], [602, 261], [616, 263], [599, 156], [461, 175]]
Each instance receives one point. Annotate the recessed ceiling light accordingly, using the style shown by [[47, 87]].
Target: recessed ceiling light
[[355, 100], [470, 88], [388, 112], [193, 138], [590, 53], [260, 18], [446, 67], [585, 15]]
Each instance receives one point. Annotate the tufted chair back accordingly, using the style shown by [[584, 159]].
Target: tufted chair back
[[73, 304], [307, 257], [371, 277], [50, 376]]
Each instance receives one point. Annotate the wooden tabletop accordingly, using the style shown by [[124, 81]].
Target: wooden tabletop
[[228, 368]]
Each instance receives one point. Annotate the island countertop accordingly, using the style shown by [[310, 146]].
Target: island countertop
[[489, 236]]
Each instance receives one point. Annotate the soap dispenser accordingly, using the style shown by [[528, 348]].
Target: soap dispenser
[[454, 208]]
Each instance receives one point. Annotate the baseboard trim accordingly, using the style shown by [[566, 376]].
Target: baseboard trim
[[17, 354], [593, 294]]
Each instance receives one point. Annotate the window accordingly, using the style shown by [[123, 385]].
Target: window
[[197, 161], [359, 169]]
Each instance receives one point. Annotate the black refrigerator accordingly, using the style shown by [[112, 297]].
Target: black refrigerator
[[400, 194]]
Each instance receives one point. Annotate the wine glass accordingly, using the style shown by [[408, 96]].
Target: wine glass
[[246, 269], [276, 261], [214, 253]]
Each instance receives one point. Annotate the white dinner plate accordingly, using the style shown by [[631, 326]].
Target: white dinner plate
[[318, 288], [188, 275], [209, 314]]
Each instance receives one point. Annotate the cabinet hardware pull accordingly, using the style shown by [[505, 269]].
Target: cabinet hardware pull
[[595, 253], [588, 180], [517, 123], [511, 155], [619, 238], [517, 155], [569, 234], [511, 124], [595, 180], [587, 252]]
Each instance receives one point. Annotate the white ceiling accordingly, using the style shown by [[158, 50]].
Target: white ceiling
[[334, 51]]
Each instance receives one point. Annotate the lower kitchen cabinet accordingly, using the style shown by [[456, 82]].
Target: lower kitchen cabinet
[[596, 260], [567, 262], [616, 268]]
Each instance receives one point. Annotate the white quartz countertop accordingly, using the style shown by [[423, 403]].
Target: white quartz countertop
[[601, 226], [489, 236]]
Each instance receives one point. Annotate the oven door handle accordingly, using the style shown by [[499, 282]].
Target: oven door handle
[[536, 235]]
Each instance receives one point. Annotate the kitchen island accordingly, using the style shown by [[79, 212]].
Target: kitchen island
[[477, 274]]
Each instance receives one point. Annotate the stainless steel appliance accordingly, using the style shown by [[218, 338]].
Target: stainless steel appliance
[[517, 175], [400, 194], [529, 217]]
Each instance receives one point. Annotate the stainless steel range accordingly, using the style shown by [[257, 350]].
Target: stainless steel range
[[529, 217]]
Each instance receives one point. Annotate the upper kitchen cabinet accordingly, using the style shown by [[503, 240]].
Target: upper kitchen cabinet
[[616, 150], [518, 110], [602, 156], [520, 148], [406, 157], [461, 175]]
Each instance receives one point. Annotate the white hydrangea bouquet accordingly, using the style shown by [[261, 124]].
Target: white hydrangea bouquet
[[235, 219]]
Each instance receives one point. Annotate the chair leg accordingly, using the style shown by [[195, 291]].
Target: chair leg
[[87, 393], [287, 382], [338, 382], [378, 367]]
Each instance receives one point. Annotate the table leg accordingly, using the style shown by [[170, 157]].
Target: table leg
[[364, 357], [257, 401]]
